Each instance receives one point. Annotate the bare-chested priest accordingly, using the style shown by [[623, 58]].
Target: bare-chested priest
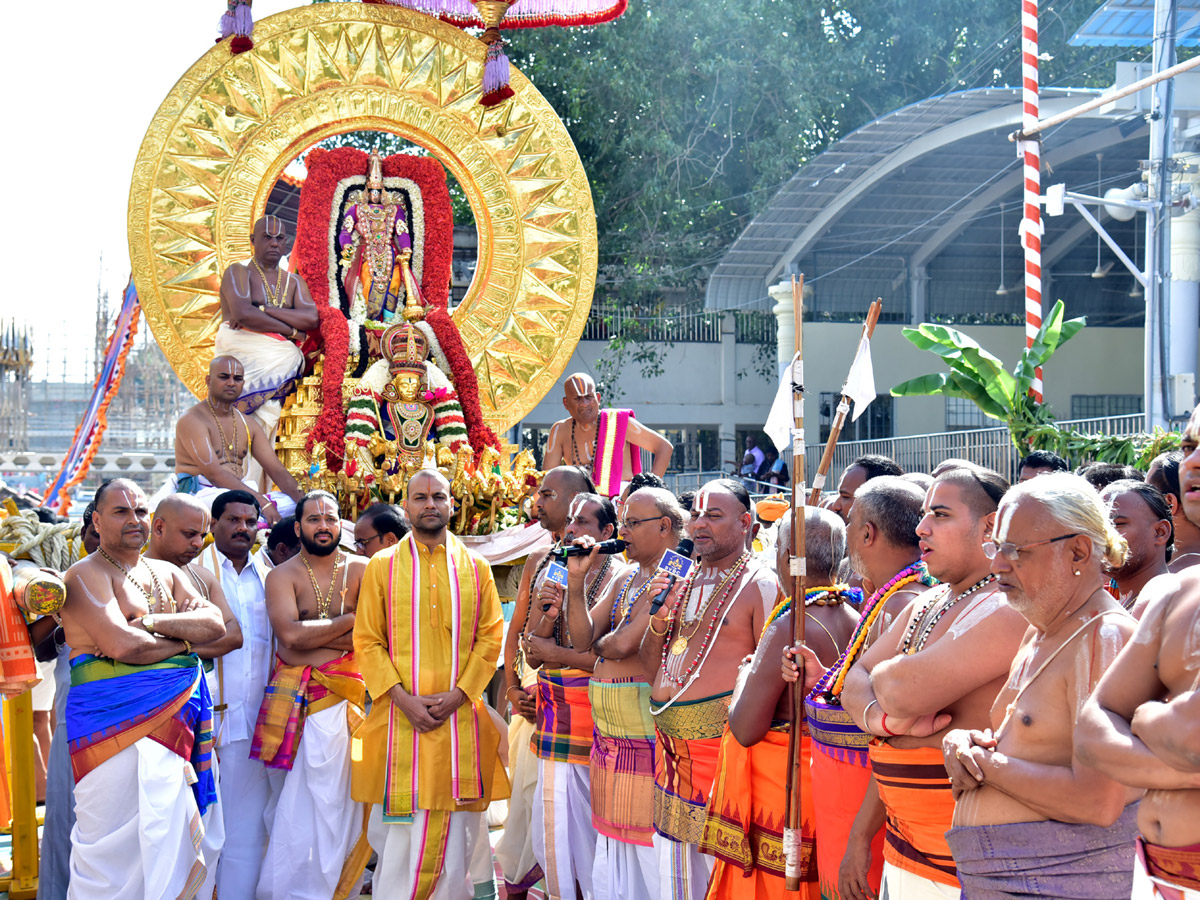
[[1032, 818], [266, 312], [311, 600], [607, 443], [1141, 726], [214, 441], [693, 646], [139, 714]]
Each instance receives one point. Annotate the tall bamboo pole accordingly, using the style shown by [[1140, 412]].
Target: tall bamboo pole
[[797, 560], [839, 418]]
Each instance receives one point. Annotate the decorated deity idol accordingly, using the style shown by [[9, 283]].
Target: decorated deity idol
[[403, 404], [375, 253]]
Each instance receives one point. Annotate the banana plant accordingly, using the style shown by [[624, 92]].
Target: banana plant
[[978, 376]]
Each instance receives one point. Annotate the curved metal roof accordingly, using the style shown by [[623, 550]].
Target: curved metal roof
[[917, 194]]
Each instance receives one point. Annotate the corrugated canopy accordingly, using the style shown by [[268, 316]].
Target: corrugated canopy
[[913, 200], [1130, 23]]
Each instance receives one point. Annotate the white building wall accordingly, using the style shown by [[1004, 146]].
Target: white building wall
[[701, 389]]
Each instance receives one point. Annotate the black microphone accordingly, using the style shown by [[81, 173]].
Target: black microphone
[[684, 549], [614, 545]]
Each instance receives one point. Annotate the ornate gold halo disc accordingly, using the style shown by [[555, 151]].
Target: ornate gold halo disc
[[232, 123]]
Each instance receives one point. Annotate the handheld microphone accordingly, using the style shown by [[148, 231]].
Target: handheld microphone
[[678, 563], [613, 545]]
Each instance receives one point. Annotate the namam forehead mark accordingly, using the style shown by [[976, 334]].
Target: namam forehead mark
[[578, 385], [1003, 520], [270, 226], [316, 504], [430, 474], [705, 501], [225, 365], [578, 504], [125, 496]]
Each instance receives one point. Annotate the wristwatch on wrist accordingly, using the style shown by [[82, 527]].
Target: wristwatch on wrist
[[148, 623]]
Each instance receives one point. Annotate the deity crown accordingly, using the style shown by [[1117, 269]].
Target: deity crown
[[405, 348], [375, 172]]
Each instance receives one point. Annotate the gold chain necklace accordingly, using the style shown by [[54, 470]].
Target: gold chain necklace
[[227, 444], [324, 603], [275, 298], [153, 600]]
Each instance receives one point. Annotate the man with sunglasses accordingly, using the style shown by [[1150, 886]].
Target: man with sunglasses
[[1032, 819], [1140, 725], [939, 666], [622, 762]]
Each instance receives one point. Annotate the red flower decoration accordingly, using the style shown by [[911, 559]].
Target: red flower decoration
[[313, 258], [330, 426], [465, 383]]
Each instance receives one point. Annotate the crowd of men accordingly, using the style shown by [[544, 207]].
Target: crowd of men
[[1000, 690]]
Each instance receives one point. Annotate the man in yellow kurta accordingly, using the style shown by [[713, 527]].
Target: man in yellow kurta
[[427, 636]]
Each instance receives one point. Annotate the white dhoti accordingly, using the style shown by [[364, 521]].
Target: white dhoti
[[270, 363], [246, 788], [483, 867], [564, 839], [315, 823], [624, 871], [137, 833], [426, 859], [683, 871], [899, 884], [207, 492], [514, 850], [214, 839]]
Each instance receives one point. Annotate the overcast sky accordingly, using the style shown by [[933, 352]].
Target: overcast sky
[[86, 78]]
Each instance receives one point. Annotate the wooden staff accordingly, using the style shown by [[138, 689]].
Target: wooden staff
[[839, 418], [791, 832]]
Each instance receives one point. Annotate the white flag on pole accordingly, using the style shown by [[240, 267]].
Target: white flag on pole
[[780, 419], [860, 383]]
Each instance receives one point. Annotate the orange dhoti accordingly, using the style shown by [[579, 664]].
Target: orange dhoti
[[920, 810], [841, 776], [747, 813]]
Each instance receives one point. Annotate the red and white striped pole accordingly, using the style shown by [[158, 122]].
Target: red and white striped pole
[[1031, 223]]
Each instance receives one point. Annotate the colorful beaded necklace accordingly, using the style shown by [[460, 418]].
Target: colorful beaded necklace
[[919, 622], [830, 685], [622, 608], [813, 597], [716, 602]]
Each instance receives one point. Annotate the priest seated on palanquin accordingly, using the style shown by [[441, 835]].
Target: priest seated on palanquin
[[215, 442], [266, 311], [402, 404]]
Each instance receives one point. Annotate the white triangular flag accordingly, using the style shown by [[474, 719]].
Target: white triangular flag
[[860, 383], [780, 419]]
